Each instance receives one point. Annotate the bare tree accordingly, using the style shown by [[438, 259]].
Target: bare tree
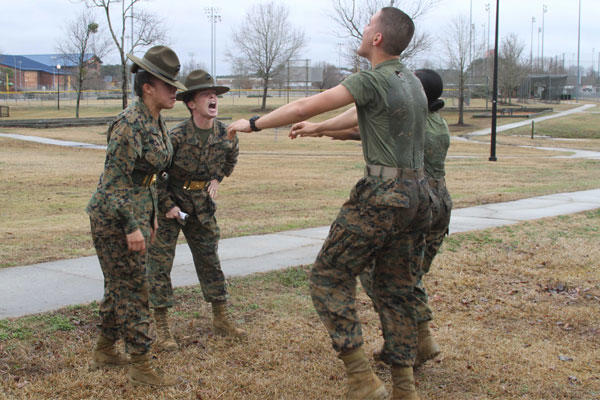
[[148, 29], [241, 77], [81, 41], [332, 76], [512, 70], [190, 65], [351, 16], [266, 40], [456, 42]]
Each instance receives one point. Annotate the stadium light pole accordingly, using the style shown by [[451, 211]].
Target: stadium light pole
[[471, 39], [212, 13], [58, 87], [495, 90], [531, 46], [544, 11]]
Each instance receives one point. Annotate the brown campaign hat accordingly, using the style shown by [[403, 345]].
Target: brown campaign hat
[[160, 61], [199, 80]]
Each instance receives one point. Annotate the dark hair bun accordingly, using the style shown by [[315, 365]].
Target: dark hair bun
[[436, 105], [432, 84]]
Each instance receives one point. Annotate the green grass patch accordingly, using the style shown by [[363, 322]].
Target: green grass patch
[[575, 126]]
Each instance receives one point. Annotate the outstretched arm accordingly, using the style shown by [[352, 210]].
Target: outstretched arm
[[341, 127], [298, 110]]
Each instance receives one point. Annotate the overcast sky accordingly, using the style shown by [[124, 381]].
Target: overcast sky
[[36, 26]]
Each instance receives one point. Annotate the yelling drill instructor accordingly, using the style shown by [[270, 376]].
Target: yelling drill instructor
[[202, 157]]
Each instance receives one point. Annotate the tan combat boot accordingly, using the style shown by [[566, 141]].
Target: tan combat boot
[[427, 347], [164, 339], [142, 373], [403, 383], [106, 354], [222, 323], [362, 382]]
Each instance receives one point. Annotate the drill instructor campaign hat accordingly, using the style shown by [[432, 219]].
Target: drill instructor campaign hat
[[199, 80], [160, 61]]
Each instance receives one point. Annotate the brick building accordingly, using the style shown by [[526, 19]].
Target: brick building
[[40, 71]]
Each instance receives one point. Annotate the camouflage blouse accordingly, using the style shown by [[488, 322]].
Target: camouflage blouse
[[214, 157], [136, 141]]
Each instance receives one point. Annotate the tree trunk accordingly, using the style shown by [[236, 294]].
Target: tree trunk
[[461, 98], [124, 84], [79, 89], [264, 97]]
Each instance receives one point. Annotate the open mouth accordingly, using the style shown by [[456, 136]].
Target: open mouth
[[212, 105]]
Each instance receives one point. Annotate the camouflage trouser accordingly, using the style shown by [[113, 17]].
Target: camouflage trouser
[[441, 206], [202, 234], [386, 229], [124, 310]]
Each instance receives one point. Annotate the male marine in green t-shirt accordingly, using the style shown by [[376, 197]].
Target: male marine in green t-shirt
[[387, 215]]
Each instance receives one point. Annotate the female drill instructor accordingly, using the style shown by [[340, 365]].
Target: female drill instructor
[[123, 215], [202, 157]]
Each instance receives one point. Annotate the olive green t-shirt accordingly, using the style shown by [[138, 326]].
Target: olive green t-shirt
[[391, 108], [437, 141], [202, 134]]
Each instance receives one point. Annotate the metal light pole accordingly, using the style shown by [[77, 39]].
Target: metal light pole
[[531, 46], [471, 38], [212, 13], [487, 57], [544, 11], [488, 8], [495, 91], [578, 88], [58, 87], [538, 46]]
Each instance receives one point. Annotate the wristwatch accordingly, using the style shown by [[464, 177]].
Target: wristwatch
[[253, 123]]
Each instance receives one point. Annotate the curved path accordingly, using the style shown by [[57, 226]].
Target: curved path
[[54, 142], [48, 286], [502, 128], [573, 153]]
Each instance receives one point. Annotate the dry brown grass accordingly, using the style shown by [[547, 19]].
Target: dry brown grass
[[516, 315], [230, 106], [278, 184]]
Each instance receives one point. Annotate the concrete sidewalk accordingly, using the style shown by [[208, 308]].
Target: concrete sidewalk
[[48, 286]]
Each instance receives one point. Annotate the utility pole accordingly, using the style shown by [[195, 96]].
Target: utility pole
[[578, 88], [544, 11], [214, 16], [132, 44]]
